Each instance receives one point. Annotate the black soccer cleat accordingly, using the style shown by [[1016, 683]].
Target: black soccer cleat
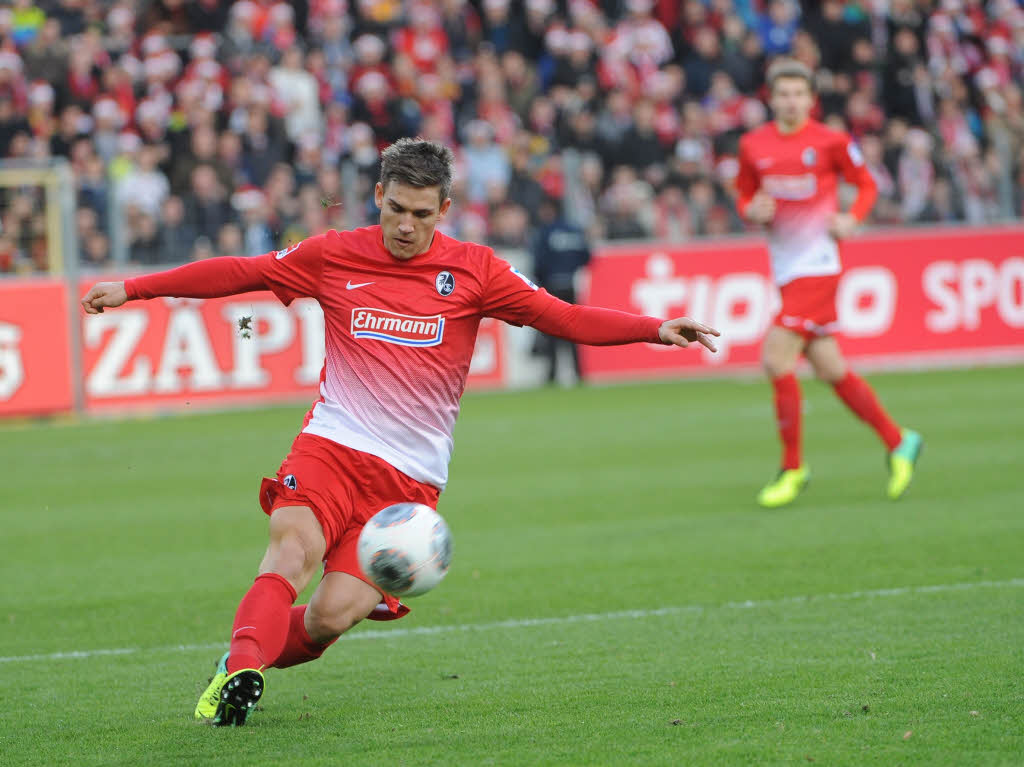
[[239, 695]]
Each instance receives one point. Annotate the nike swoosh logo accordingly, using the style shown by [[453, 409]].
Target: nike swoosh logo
[[350, 286]]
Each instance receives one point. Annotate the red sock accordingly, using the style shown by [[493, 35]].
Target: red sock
[[261, 623], [300, 647], [861, 399], [787, 414]]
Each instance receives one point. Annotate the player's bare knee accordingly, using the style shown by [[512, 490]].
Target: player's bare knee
[[829, 374], [774, 367], [318, 628], [296, 542], [294, 556], [327, 626], [829, 366]]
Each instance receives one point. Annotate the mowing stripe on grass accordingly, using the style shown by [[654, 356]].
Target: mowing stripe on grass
[[517, 623]]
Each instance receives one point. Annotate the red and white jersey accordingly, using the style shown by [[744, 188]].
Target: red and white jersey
[[399, 334], [399, 337], [801, 172]]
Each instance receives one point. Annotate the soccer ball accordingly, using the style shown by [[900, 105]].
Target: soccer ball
[[405, 549]]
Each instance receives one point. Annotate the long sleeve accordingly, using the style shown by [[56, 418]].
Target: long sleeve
[[511, 297], [855, 171], [290, 273], [211, 278], [747, 182], [595, 326]]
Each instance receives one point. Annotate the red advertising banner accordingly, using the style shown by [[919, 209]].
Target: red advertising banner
[[35, 356], [905, 298], [175, 352], [187, 352]]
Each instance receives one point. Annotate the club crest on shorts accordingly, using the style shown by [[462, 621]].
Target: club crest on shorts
[[445, 283], [809, 156], [290, 482]]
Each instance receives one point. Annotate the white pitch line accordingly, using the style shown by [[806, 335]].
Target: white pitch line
[[517, 623]]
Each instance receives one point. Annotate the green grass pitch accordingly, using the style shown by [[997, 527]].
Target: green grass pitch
[[616, 596]]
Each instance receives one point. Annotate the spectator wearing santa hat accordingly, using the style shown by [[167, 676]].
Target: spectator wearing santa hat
[[375, 106], [424, 40], [144, 187], [12, 80], [41, 99]]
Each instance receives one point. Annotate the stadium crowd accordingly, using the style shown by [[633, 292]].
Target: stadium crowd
[[198, 127]]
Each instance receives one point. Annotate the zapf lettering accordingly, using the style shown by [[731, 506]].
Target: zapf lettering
[[403, 329]]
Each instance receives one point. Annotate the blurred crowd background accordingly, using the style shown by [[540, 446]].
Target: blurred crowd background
[[197, 128]]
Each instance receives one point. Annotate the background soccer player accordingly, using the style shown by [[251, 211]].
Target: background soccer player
[[788, 180], [401, 304]]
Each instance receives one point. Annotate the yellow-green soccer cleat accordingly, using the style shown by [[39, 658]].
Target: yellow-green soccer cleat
[[210, 699], [902, 460], [784, 488], [239, 695], [230, 698]]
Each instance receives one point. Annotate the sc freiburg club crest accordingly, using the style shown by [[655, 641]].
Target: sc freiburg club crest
[[445, 283]]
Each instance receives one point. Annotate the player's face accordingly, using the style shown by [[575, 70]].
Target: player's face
[[408, 215], [792, 101]]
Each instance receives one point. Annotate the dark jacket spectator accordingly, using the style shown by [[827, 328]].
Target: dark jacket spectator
[[559, 251], [899, 76], [177, 235], [145, 242], [206, 206]]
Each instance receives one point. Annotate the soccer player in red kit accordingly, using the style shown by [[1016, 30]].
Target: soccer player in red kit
[[401, 304], [788, 181]]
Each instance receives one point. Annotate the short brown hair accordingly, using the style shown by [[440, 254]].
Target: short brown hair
[[789, 68], [418, 163]]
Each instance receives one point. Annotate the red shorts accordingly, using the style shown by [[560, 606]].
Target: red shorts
[[809, 306], [344, 488]]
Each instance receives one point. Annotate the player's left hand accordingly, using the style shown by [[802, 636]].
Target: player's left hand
[[104, 295], [842, 225], [683, 331]]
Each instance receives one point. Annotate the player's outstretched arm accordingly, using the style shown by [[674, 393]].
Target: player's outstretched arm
[[595, 326], [210, 278], [513, 298], [851, 164]]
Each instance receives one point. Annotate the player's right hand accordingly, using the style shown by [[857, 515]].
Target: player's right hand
[[102, 295], [761, 209]]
